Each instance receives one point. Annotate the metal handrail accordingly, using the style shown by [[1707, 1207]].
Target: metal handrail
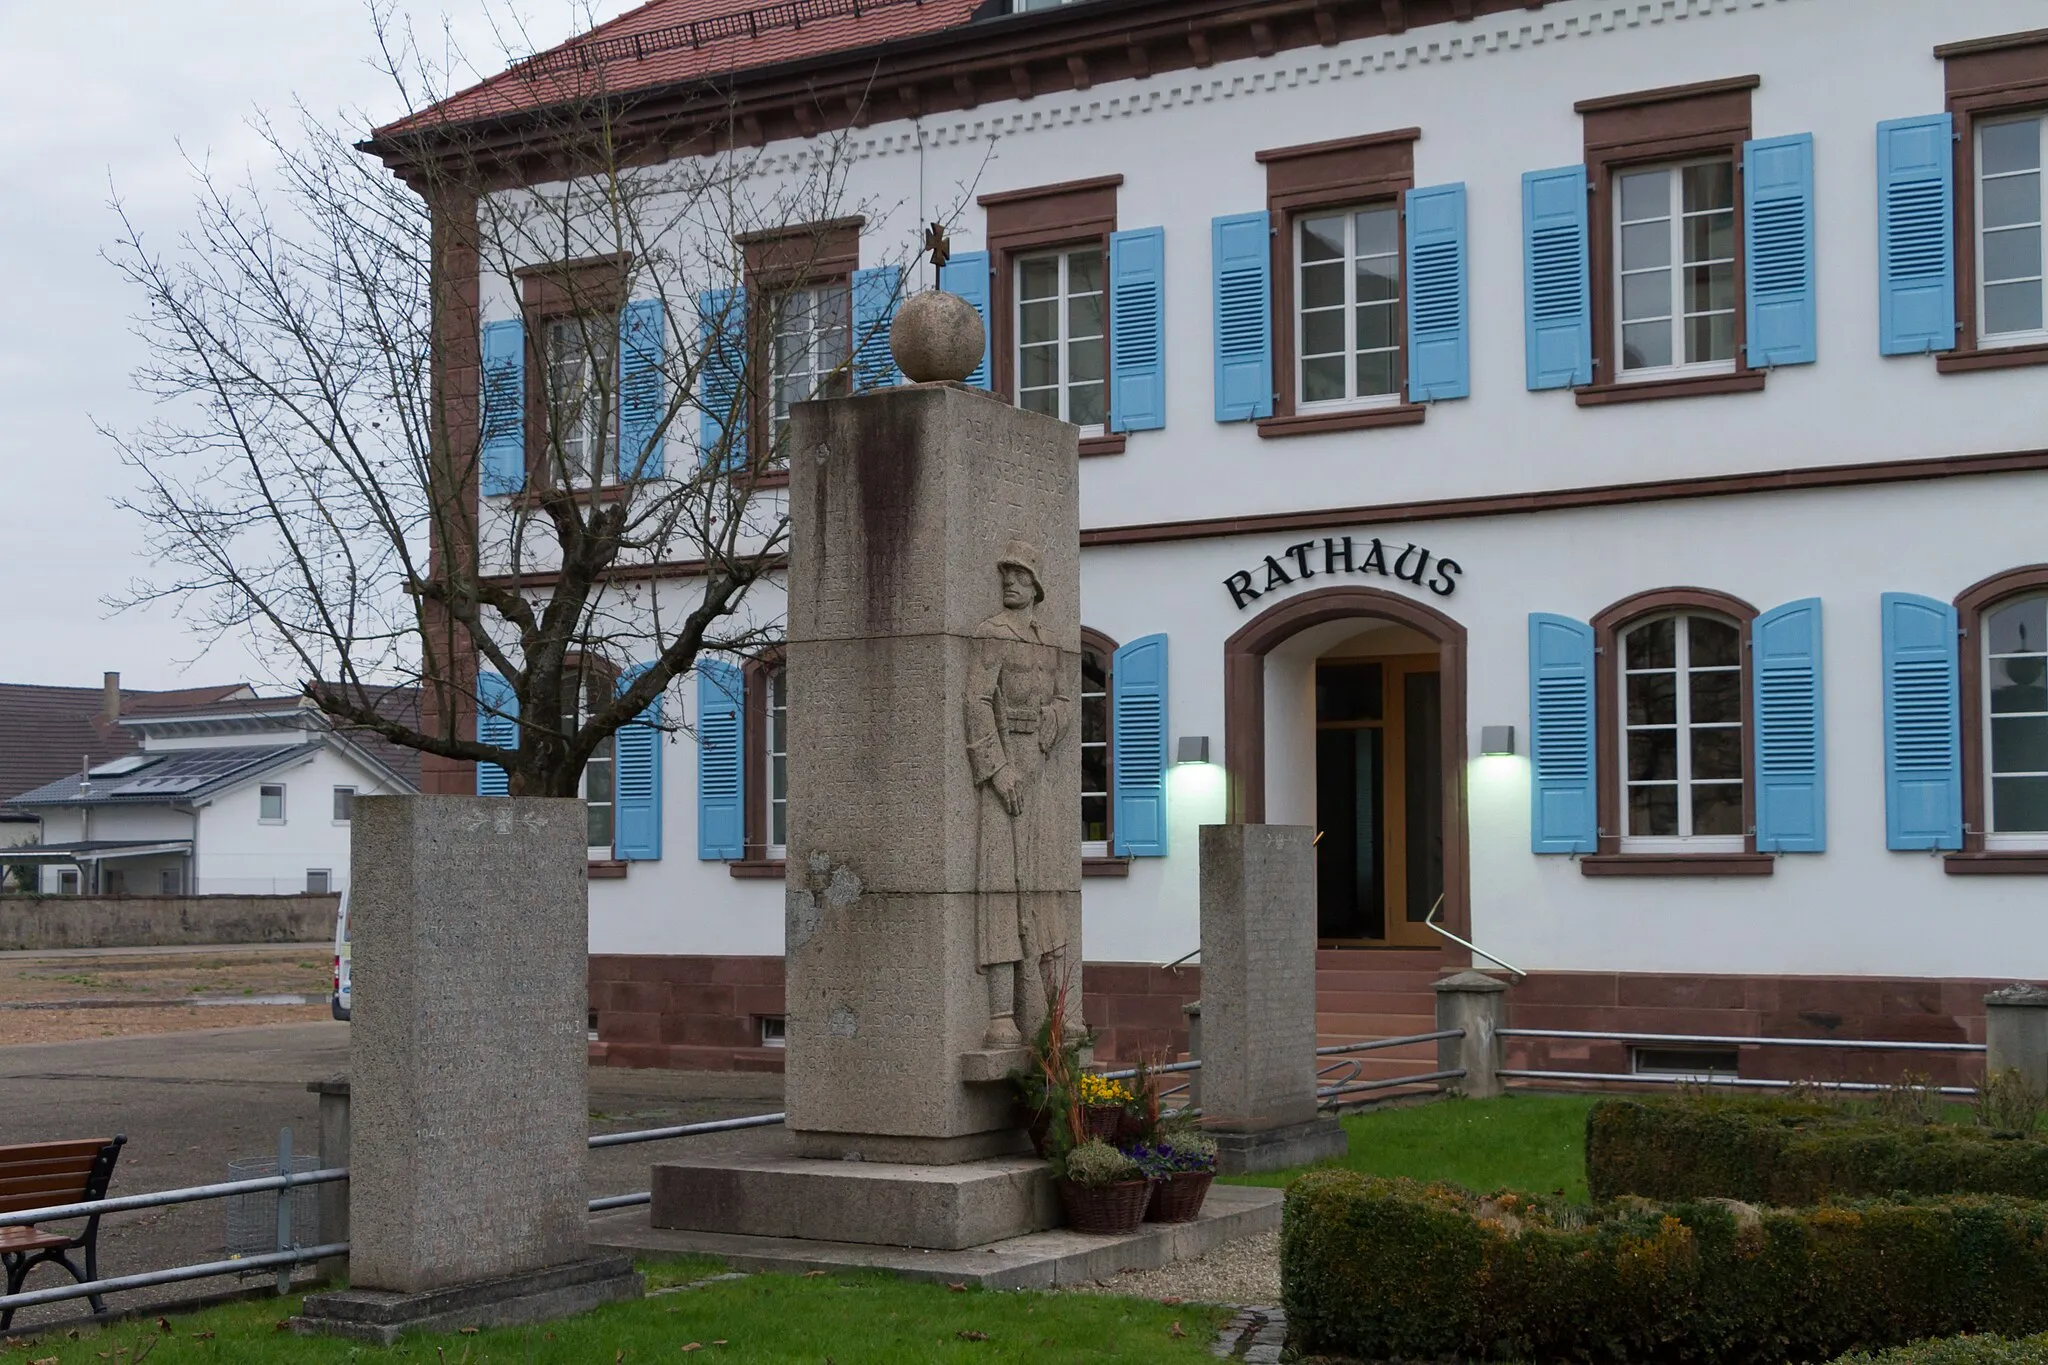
[[1738, 1040], [1430, 920], [1714, 1079], [1426, 1078], [191, 1194], [684, 1130], [269, 1260], [1404, 1040]]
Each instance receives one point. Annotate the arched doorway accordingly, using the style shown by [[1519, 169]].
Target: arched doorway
[[1387, 718]]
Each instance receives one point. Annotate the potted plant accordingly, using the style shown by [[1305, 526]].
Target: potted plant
[[1101, 1189], [1182, 1166], [1048, 1084], [1106, 1107]]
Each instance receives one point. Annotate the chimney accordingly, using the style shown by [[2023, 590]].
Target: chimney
[[110, 704]]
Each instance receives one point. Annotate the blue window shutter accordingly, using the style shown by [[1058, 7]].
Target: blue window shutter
[[967, 275], [1916, 236], [502, 433], [1923, 751], [1439, 324], [1557, 297], [643, 394], [875, 295], [1790, 749], [1777, 230], [1241, 254], [722, 376], [1137, 732], [497, 724], [1137, 330], [721, 784], [1564, 803], [636, 751]]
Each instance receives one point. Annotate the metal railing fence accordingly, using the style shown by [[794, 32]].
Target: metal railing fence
[[1712, 1077]]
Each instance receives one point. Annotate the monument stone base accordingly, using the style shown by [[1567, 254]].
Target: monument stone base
[[1037, 1260], [381, 1316], [1276, 1149], [934, 1207]]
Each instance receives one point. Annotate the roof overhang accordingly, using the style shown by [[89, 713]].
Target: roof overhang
[[97, 851]]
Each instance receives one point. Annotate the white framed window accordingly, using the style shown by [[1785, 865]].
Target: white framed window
[[171, 882], [2016, 723], [581, 355], [67, 882], [344, 805], [1684, 761], [319, 881], [776, 750], [1347, 306], [270, 803], [1062, 329], [1031, 6], [774, 1030], [2010, 301], [1095, 721], [598, 786], [813, 340], [1674, 234]]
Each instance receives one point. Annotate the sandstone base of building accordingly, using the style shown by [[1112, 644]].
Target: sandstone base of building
[[382, 1316], [938, 1208], [1276, 1149]]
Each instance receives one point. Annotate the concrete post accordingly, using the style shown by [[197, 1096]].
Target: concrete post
[[2016, 1033], [1476, 1003], [333, 1199], [1258, 895], [467, 1147]]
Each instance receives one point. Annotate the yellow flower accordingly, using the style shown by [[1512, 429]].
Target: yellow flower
[[1097, 1091]]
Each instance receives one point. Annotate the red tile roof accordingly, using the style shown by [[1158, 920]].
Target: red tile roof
[[670, 41], [46, 731]]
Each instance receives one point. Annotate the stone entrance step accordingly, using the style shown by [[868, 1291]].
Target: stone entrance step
[[1038, 1260]]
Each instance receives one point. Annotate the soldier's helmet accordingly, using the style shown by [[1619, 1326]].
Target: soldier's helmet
[[1020, 554]]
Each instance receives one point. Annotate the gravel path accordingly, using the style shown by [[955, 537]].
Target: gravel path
[[1246, 1271]]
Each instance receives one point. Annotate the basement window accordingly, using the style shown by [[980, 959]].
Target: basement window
[[773, 1030], [1682, 1061]]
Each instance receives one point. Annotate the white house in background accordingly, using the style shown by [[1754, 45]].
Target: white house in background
[[250, 796]]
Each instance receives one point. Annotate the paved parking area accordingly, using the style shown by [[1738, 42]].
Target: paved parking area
[[190, 1102]]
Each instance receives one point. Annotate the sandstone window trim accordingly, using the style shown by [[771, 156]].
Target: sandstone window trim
[[593, 289], [813, 257], [1643, 130], [1019, 223], [1609, 626], [1986, 80], [761, 861], [1973, 605], [1373, 170]]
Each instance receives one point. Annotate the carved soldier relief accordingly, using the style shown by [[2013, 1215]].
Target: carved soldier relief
[[1018, 712]]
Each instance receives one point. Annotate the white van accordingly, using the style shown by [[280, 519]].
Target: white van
[[341, 991]]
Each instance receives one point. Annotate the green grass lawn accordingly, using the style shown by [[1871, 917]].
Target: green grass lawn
[[854, 1319], [1529, 1142]]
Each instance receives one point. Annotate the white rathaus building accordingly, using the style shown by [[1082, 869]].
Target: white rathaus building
[[1589, 459]]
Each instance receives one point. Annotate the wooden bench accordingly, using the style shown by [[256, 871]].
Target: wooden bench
[[36, 1175]]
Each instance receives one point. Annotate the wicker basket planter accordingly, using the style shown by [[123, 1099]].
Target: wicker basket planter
[[1105, 1209], [1105, 1121], [1177, 1198]]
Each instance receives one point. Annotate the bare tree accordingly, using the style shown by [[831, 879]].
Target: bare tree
[[341, 476]]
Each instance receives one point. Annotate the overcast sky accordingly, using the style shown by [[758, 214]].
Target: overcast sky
[[104, 93]]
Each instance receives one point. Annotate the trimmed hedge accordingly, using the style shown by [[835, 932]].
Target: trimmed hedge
[[1395, 1270], [1960, 1351], [1791, 1153]]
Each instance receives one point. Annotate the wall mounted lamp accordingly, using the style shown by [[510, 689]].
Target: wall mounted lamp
[[1192, 749], [1496, 740]]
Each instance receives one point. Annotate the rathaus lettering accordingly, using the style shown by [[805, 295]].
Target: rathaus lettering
[[1341, 555]]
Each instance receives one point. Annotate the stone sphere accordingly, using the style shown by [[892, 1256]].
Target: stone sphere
[[937, 337]]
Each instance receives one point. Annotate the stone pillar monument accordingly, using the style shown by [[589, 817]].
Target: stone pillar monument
[[1476, 1003], [2016, 1033], [933, 661], [1258, 1039], [468, 1073]]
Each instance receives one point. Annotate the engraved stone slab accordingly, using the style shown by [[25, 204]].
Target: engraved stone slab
[[1258, 976], [467, 1048]]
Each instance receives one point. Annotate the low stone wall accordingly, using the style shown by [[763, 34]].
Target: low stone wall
[[46, 922]]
